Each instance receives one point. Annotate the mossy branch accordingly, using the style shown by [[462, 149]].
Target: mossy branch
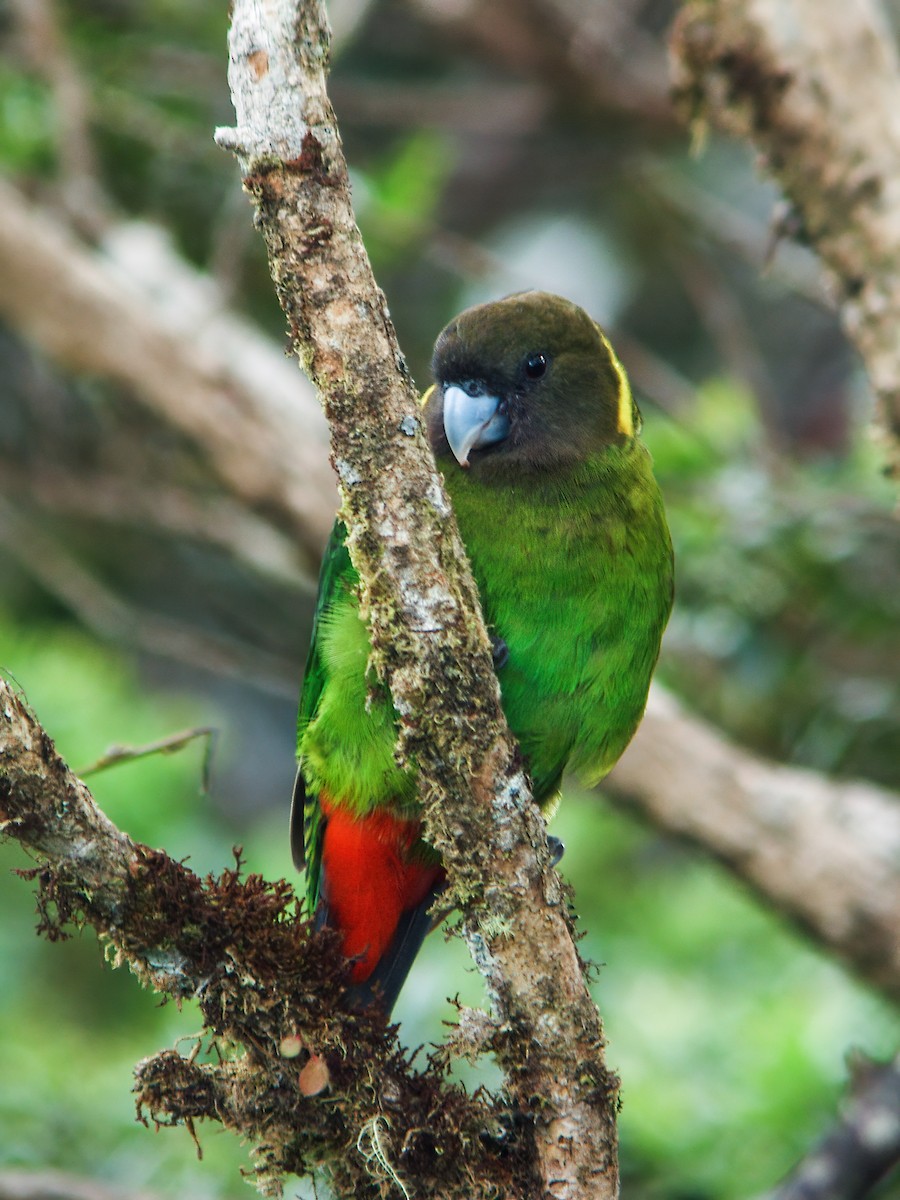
[[285, 1065], [430, 644]]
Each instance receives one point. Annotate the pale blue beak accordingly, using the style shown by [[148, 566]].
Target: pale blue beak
[[472, 420]]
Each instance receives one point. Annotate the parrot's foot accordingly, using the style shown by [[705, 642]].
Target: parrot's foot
[[500, 652], [557, 850]]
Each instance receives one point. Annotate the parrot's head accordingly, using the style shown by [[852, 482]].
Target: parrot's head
[[526, 383]]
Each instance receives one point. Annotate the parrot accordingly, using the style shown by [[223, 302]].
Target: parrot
[[535, 430]]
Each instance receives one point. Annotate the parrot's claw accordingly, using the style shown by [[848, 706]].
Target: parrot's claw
[[557, 850], [500, 652]]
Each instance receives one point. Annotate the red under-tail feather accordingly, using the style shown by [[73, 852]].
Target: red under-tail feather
[[370, 888]]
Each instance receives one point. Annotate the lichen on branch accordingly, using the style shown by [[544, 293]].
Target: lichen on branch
[[285, 1064], [428, 636]]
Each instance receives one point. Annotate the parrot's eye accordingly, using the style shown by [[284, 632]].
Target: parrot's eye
[[535, 365]]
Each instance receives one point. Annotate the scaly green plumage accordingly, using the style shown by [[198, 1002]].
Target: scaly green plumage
[[564, 526]]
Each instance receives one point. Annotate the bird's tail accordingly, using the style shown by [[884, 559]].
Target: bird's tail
[[377, 885], [383, 986]]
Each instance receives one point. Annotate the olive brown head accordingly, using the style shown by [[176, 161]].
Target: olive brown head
[[527, 383]]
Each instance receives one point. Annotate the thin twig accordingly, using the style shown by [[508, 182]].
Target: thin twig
[[116, 755], [79, 177], [166, 507]]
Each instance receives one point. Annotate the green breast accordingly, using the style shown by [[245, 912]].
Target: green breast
[[575, 574]]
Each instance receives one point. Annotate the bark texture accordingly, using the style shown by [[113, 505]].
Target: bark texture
[[270, 994], [816, 88], [430, 644]]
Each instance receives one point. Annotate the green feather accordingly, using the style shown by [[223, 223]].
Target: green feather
[[336, 577], [574, 573]]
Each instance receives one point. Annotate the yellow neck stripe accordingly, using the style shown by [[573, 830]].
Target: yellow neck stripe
[[625, 420]]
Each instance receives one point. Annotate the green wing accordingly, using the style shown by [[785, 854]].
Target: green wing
[[306, 817]]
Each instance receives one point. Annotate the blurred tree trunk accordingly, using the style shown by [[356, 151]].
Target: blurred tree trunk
[[815, 87]]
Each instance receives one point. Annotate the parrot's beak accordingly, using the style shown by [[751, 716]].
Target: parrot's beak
[[472, 419]]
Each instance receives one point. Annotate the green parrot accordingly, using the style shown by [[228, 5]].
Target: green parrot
[[534, 427]]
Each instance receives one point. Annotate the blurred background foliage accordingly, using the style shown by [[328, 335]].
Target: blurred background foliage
[[489, 153]]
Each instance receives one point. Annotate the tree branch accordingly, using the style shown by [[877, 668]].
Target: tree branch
[[51, 565], [863, 1146], [58, 1185], [168, 508], [430, 644], [816, 88], [825, 853], [138, 315], [596, 56], [45, 45], [270, 992]]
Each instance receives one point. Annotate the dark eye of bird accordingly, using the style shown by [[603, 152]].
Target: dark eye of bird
[[535, 365]]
